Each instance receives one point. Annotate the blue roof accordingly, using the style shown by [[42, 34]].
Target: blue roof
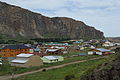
[[15, 47], [102, 49]]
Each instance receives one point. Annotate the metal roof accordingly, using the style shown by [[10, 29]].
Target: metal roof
[[19, 60], [52, 50], [24, 55], [15, 47], [50, 57], [102, 49]]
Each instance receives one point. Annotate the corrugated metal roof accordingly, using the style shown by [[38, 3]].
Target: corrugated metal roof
[[50, 57], [102, 49], [19, 60], [15, 47], [52, 50], [57, 57], [24, 55]]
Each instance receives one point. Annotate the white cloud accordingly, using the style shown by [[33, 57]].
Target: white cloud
[[103, 14]]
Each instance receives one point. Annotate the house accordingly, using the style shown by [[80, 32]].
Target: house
[[35, 50], [108, 43], [92, 47], [99, 51], [26, 60], [53, 51], [52, 59], [13, 50]]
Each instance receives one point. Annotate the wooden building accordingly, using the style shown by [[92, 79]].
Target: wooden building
[[26, 60], [13, 50]]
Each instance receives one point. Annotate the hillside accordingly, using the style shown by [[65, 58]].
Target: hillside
[[19, 22], [115, 39], [107, 71]]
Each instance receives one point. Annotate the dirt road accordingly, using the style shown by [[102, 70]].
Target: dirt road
[[48, 68]]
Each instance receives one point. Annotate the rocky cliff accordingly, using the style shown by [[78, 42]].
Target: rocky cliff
[[19, 22]]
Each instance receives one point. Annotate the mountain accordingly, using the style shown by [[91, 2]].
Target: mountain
[[115, 39], [19, 22]]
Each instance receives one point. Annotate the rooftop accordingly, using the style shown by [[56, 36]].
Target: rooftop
[[50, 57], [102, 49], [15, 47], [52, 50], [24, 55], [19, 60]]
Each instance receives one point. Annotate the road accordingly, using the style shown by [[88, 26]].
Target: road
[[48, 68]]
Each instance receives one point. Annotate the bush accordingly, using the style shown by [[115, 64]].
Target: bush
[[69, 77], [44, 70]]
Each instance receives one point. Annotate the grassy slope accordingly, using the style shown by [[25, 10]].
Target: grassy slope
[[59, 74], [21, 70]]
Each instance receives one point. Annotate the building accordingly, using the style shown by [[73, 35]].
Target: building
[[0, 61], [26, 60], [108, 44], [52, 59], [54, 51], [13, 50], [39, 54], [99, 51]]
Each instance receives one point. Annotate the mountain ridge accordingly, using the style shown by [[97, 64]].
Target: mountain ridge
[[16, 21]]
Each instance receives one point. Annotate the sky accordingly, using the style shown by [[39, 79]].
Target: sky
[[104, 15]]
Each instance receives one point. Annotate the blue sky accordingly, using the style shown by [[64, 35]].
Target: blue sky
[[104, 15]]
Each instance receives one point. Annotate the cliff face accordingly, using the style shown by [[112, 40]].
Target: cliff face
[[108, 71], [15, 21]]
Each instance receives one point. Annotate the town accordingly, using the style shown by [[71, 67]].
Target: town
[[27, 55]]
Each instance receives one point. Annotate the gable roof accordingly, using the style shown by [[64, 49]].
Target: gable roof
[[51, 57], [102, 49], [52, 50], [15, 47], [24, 55], [19, 60]]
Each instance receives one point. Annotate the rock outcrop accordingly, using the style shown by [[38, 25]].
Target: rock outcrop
[[19, 22]]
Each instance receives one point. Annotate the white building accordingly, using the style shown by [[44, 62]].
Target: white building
[[52, 59], [26, 60], [107, 44]]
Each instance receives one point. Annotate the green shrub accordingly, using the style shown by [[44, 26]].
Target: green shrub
[[69, 77]]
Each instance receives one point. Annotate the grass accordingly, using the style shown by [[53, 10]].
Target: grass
[[9, 69], [58, 74]]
